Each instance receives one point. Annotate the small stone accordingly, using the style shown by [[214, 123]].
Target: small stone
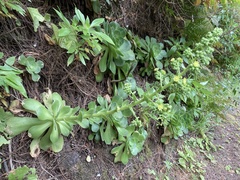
[[88, 159], [230, 117]]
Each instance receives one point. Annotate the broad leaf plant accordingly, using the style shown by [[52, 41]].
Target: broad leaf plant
[[116, 121]]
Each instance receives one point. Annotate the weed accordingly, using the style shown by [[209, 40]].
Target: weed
[[237, 171], [9, 76], [228, 168], [7, 6], [80, 37], [187, 161], [23, 173], [33, 67], [227, 56], [36, 17]]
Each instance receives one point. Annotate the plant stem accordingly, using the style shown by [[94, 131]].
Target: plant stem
[[132, 104]]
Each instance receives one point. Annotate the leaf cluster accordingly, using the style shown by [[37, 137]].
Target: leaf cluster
[[149, 52], [51, 123], [23, 173], [9, 76], [33, 67], [7, 6], [80, 37], [117, 58]]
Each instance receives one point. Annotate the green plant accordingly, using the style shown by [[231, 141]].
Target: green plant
[[114, 121], [227, 56], [9, 76], [80, 38], [33, 67], [4, 116], [177, 47], [3, 136], [36, 17], [228, 167], [7, 6], [149, 52], [186, 156], [237, 171], [203, 143], [188, 99], [118, 57], [23, 173], [109, 123], [48, 128], [187, 161]]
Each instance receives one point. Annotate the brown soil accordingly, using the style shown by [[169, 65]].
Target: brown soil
[[77, 86], [227, 139]]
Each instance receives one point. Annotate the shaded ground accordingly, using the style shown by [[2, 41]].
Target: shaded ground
[[227, 139]]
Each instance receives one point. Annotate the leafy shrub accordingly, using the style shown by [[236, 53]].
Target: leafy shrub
[[80, 37], [3, 135], [228, 18], [198, 25]]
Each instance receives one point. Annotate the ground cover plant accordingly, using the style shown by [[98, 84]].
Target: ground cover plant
[[181, 97]]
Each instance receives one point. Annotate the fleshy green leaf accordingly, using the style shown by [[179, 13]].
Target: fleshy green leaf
[[3, 141], [103, 61], [117, 151], [1, 55], [125, 156], [43, 114], [38, 130], [64, 128], [54, 136], [104, 37], [109, 134], [17, 125], [58, 145], [136, 142], [84, 123], [36, 17]]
